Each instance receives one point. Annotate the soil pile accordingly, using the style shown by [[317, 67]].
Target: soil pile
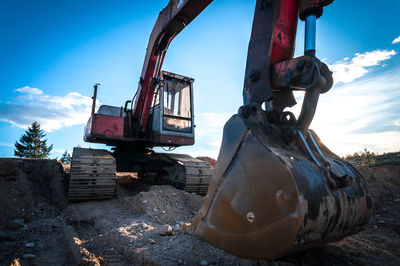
[[148, 224], [27, 186], [165, 204], [209, 160], [32, 199]]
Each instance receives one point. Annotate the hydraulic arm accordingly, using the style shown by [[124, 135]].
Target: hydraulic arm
[[277, 188], [172, 20]]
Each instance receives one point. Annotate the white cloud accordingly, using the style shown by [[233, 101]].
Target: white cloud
[[30, 91], [52, 112], [207, 124], [355, 114], [397, 40], [209, 130], [349, 70], [352, 116], [361, 114]]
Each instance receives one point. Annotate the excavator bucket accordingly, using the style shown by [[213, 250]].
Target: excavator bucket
[[268, 197]]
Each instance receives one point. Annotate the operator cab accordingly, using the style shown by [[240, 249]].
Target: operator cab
[[172, 110]]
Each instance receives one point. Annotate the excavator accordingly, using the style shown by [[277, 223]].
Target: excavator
[[276, 188]]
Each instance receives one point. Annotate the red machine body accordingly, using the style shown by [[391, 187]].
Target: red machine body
[[272, 41], [170, 123], [276, 187], [283, 42], [105, 127]]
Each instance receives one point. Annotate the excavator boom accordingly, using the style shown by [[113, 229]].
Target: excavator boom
[[170, 22], [276, 188]]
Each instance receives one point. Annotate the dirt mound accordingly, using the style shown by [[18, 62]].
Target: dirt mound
[[166, 204], [388, 174], [32, 199], [28, 186], [382, 181], [146, 229], [144, 224], [209, 160]]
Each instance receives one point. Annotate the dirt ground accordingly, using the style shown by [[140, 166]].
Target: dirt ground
[[148, 224]]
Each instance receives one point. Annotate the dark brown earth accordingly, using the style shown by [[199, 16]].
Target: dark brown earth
[[148, 224]]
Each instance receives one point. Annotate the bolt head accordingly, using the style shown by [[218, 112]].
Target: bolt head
[[254, 75], [250, 217]]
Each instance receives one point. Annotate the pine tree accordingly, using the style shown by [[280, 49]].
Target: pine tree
[[66, 157], [32, 143]]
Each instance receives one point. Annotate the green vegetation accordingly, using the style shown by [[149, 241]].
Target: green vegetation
[[367, 158], [32, 143], [66, 157]]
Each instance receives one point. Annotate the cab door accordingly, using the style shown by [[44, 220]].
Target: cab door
[[173, 110]]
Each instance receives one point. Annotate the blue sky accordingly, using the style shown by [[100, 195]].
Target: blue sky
[[52, 52]]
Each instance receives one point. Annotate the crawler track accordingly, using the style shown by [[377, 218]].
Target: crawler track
[[92, 175], [188, 173]]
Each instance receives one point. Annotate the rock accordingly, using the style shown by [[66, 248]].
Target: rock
[[187, 228], [380, 222], [15, 224], [29, 256], [152, 242], [144, 201], [146, 226], [164, 230], [397, 200], [203, 262], [30, 245], [176, 228]]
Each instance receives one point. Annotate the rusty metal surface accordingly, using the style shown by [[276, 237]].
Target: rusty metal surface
[[169, 140], [94, 98], [257, 86], [285, 31], [268, 197], [303, 73], [105, 126], [314, 7]]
